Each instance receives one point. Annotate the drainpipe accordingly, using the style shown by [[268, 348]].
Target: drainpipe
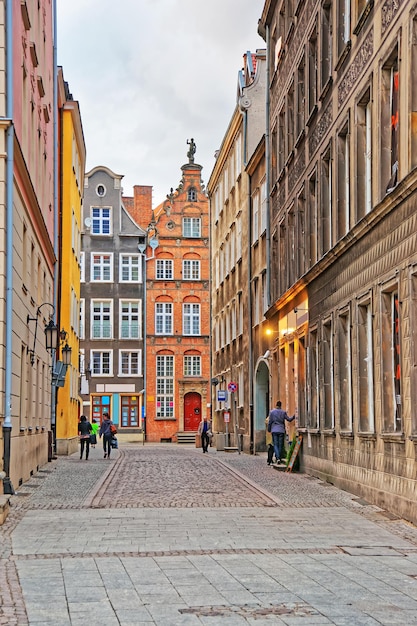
[[55, 235], [7, 422], [267, 171]]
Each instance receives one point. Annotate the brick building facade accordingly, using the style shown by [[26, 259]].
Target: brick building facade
[[178, 310]]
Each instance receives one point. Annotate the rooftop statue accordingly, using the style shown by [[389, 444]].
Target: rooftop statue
[[191, 151]]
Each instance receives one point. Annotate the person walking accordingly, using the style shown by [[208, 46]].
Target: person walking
[[268, 441], [276, 426], [84, 430], [95, 426], [204, 430], [105, 432]]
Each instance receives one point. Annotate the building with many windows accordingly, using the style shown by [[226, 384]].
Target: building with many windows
[[65, 409], [112, 292], [238, 223], [178, 310], [343, 214]]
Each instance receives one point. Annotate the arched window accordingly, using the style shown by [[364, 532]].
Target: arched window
[[192, 194]]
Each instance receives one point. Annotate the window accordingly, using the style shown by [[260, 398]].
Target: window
[[130, 268], [343, 182], [365, 368], [255, 216], [312, 218], [391, 361], [238, 237], [282, 153], [163, 318], [301, 234], [164, 387], [129, 363], [328, 408], [290, 117], [164, 269], [413, 113], [129, 320], [300, 119], [302, 383], [190, 269], [192, 365], [100, 223], [130, 411], [344, 359], [101, 268], [101, 190], [274, 155], [263, 207], [102, 313], [314, 380], [390, 123], [191, 227], [343, 25], [326, 43], [191, 319], [82, 267], [283, 256], [326, 203], [101, 404], [102, 362], [364, 155], [192, 195], [292, 252], [312, 71], [82, 319]]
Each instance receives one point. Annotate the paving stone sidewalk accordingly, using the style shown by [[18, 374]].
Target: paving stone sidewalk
[[166, 535]]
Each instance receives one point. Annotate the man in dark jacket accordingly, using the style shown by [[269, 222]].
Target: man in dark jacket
[[276, 426]]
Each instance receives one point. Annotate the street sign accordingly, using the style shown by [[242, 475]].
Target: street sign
[[221, 395], [226, 416], [232, 387]]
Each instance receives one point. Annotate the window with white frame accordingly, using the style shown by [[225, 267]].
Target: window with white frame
[[233, 319], [327, 375], [82, 318], [191, 269], [191, 227], [130, 363], [344, 370], [238, 236], [313, 375], [255, 216], [129, 319], [130, 268], [191, 319], [101, 221], [163, 318], [365, 367], [102, 361], [192, 195], [82, 267], [164, 386], [192, 365], [240, 313], [164, 269], [101, 319], [391, 360], [101, 267]]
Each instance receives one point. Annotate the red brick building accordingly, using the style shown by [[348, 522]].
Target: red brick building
[[178, 310]]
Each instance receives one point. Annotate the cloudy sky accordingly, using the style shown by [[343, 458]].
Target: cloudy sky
[[150, 74]]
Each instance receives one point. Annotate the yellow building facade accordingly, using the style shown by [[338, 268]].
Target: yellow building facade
[[72, 167]]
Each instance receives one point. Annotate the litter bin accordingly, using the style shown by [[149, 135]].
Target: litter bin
[[220, 441]]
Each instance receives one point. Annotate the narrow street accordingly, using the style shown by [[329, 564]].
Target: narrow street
[[162, 534]]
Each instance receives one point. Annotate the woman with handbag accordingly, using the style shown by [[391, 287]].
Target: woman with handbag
[[84, 430], [106, 431]]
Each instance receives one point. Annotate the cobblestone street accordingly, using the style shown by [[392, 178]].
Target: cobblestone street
[[162, 534]]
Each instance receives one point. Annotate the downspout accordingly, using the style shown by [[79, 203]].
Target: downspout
[[267, 173], [249, 284], [52, 451], [7, 423]]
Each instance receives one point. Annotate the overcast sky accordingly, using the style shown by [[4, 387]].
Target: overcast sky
[[150, 74]]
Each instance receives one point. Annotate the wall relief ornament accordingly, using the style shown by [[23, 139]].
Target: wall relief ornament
[[352, 75]]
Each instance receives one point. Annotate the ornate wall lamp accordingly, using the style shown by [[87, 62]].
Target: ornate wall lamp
[[51, 332]]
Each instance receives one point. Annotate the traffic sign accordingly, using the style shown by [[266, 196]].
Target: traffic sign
[[232, 387], [226, 416], [221, 395]]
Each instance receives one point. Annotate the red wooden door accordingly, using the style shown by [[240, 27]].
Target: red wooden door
[[192, 411]]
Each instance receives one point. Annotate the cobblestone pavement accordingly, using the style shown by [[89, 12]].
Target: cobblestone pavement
[[162, 534]]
